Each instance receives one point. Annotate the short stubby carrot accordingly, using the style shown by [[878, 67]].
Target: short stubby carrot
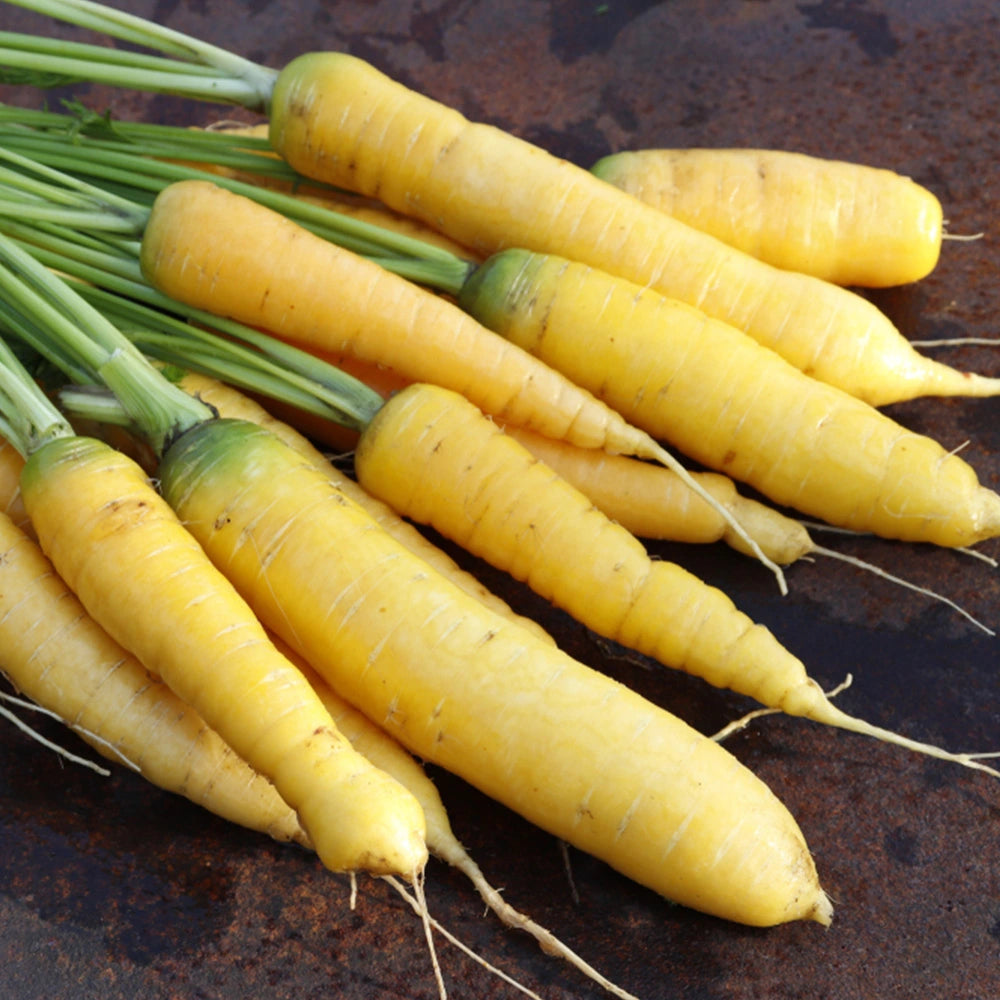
[[717, 396], [849, 223], [144, 578], [573, 751], [58, 656], [337, 118]]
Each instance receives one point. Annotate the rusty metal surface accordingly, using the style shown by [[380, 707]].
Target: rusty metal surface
[[110, 889]]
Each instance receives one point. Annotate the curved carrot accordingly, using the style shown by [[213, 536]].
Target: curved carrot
[[61, 659], [718, 397], [844, 222], [223, 253], [336, 118], [515, 513], [124, 553], [571, 750]]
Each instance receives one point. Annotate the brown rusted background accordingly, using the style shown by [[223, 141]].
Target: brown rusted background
[[110, 889]]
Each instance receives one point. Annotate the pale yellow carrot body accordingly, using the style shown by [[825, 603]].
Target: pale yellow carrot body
[[336, 118], [844, 222], [231, 403], [651, 502], [11, 464], [144, 578], [367, 210], [570, 749], [713, 393], [60, 658]]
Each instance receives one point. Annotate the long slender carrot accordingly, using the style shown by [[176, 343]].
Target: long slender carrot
[[519, 516], [60, 658], [849, 223], [719, 398]]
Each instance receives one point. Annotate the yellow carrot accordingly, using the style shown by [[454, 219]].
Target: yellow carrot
[[221, 252], [140, 574], [718, 397], [570, 749], [60, 658], [515, 513], [844, 222], [650, 502], [231, 403], [336, 118]]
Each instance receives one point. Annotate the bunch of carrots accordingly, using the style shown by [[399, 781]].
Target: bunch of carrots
[[522, 385]]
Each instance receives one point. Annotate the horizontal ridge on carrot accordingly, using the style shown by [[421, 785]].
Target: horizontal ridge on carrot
[[848, 223]]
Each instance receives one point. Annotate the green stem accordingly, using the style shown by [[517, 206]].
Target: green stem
[[239, 81], [74, 336], [105, 162], [27, 417], [191, 338]]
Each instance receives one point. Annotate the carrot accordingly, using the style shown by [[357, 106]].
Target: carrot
[[58, 656], [142, 576], [205, 247], [719, 398], [11, 464], [338, 119], [571, 750], [848, 223]]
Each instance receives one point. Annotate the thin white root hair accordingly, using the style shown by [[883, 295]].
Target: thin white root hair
[[568, 869], [959, 342], [862, 564], [425, 919], [961, 237], [834, 530], [516, 920], [37, 736], [744, 720], [665, 458], [421, 911]]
